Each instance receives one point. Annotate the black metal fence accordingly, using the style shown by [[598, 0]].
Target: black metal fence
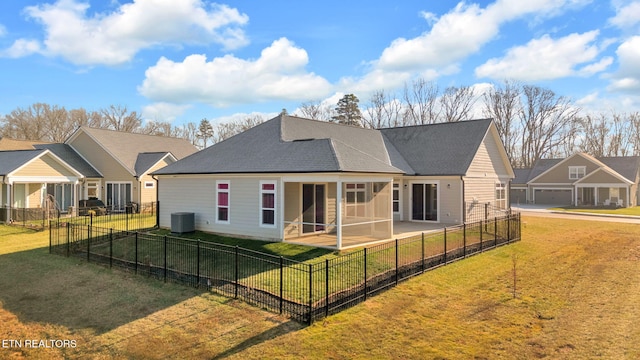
[[135, 217], [476, 211], [306, 291]]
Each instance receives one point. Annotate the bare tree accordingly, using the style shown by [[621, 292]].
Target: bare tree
[[502, 104], [457, 103], [224, 131], [595, 133], [383, 110], [547, 121], [315, 110], [27, 124], [421, 101], [119, 118]]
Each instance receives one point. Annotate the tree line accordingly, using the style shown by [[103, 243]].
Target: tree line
[[533, 122]]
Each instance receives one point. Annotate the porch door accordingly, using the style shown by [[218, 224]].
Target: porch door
[[118, 195], [424, 202], [313, 208]]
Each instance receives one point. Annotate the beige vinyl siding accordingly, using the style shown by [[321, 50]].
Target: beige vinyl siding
[[560, 174], [111, 169], [149, 194], [602, 177], [45, 166], [479, 191], [449, 198], [198, 195], [34, 192], [488, 161]]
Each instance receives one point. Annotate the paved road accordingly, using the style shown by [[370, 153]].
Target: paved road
[[557, 215]]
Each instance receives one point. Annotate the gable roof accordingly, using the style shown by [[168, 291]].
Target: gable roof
[[146, 161], [72, 158], [439, 149], [13, 160], [288, 144], [626, 167], [124, 147]]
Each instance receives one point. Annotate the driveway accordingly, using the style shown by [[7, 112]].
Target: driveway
[[544, 211]]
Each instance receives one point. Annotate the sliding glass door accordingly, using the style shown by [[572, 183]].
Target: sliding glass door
[[313, 208], [118, 195], [424, 204]]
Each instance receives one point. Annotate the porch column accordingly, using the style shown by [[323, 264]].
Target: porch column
[[339, 214], [628, 201], [596, 196]]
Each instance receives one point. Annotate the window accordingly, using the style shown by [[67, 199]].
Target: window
[[501, 195], [268, 203], [356, 195], [91, 190], [396, 197], [576, 172], [222, 196], [118, 195], [149, 184]]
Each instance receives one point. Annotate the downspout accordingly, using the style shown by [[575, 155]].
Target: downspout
[[464, 203]]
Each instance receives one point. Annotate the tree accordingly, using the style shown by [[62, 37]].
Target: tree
[[348, 112], [118, 118], [502, 104], [457, 103], [205, 131], [315, 110], [383, 111], [421, 100]]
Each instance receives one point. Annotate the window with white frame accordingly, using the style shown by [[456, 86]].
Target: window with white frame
[[223, 202], [577, 172], [268, 203], [149, 184], [501, 195], [355, 199], [396, 197]]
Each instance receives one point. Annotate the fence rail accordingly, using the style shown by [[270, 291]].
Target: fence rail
[[306, 291], [135, 217]]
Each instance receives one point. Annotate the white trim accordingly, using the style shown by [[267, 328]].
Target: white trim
[[106, 191], [168, 153], [145, 183], [583, 155], [275, 204], [301, 206], [42, 179], [400, 204], [608, 171], [228, 206], [577, 171]]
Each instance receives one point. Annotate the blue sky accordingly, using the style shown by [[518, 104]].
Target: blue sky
[[184, 60]]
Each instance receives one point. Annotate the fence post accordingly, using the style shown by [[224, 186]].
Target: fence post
[[157, 213], [495, 232], [136, 267], [91, 218], [310, 294], [236, 274], [126, 217], [464, 240], [281, 282], [50, 236], [198, 264], [165, 258], [481, 237], [397, 268], [326, 287], [68, 240], [111, 247], [508, 229], [88, 249], [422, 252], [365, 274], [445, 246]]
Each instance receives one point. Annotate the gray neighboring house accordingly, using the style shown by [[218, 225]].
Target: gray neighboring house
[[579, 180], [292, 179]]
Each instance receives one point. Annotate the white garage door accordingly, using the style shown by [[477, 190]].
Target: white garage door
[[553, 197]]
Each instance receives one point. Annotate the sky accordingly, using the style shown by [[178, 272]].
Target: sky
[[185, 60]]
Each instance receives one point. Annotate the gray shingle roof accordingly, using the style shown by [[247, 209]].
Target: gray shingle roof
[[71, 157], [13, 159], [146, 160], [438, 149], [522, 176], [126, 146], [627, 166], [292, 144]]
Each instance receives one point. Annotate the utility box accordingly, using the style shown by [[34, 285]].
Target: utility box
[[183, 222]]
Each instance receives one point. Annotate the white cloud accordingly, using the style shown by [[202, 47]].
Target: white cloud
[[453, 36], [278, 74], [546, 58], [627, 78], [20, 48], [114, 38], [627, 16], [163, 111]]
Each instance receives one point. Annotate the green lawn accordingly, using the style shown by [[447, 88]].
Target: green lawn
[[577, 290], [634, 211]]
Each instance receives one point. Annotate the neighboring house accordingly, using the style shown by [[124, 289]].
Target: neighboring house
[[109, 165], [579, 180], [290, 177]]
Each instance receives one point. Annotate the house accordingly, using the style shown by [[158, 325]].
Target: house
[[93, 163], [579, 180], [290, 178]]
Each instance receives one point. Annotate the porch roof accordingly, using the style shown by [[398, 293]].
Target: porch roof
[[72, 158]]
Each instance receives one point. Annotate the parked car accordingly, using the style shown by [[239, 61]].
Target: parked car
[[92, 207]]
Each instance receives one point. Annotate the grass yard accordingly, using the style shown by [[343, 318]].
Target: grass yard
[[633, 211], [577, 296]]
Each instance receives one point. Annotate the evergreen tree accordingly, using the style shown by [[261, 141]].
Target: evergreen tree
[[348, 112], [205, 131]]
